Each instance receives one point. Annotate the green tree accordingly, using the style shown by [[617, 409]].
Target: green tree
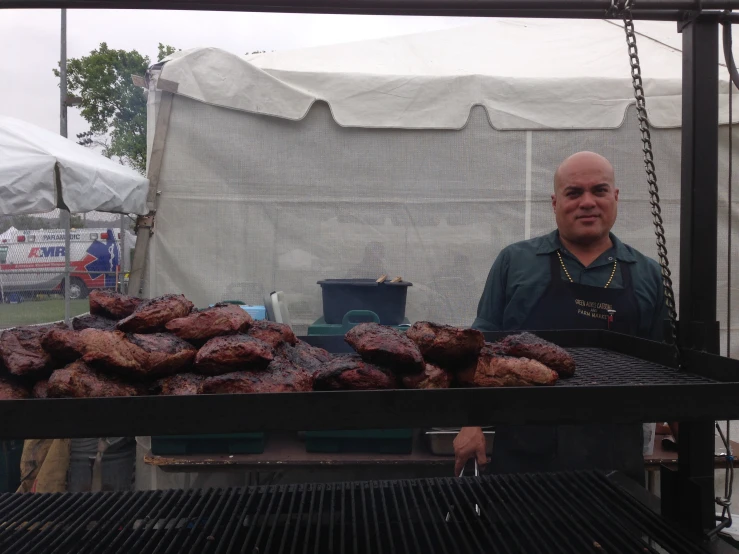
[[112, 105]]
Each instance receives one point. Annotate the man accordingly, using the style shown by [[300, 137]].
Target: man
[[570, 279]]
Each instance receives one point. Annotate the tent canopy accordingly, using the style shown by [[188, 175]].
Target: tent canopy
[[30, 182], [528, 74]]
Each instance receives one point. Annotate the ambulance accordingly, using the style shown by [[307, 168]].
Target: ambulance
[[32, 262]]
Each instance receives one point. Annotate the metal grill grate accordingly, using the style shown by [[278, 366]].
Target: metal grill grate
[[596, 366], [577, 512]]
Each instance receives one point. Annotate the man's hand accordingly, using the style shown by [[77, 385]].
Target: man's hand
[[675, 430], [469, 443]]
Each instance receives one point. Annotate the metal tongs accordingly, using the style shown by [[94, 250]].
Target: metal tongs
[[477, 507]]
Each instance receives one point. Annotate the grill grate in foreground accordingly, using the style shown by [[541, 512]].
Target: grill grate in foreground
[[596, 366], [547, 513]]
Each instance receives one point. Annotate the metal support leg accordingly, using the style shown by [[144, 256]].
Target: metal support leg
[[691, 488]]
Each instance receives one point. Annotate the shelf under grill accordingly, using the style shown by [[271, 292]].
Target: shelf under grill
[[574, 512]]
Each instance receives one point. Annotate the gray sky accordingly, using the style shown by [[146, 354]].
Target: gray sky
[[29, 42]]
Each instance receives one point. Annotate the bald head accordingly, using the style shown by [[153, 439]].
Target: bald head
[[580, 163], [585, 198]]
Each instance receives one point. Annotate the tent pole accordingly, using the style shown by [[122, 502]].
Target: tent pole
[[145, 224], [64, 215]]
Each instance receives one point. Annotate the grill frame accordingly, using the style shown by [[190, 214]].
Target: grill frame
[[562, 512], [709, 392]]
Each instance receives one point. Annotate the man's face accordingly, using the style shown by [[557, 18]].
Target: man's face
[[585, 200]]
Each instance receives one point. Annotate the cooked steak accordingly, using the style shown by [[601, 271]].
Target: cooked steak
[[304, 356], [152, 315], [22, 353], [109, 351], [10, 390], [352, 373], [164, 353], [447, 346], [387, 347], [135, 355], [272, 333], [495, 370], [90, 321], [528, 345], [236, 352], [179, 385], [78, 380], [282, 377], [433, 377], [63, 345], [41, 389], [111, 304], [221, 319]]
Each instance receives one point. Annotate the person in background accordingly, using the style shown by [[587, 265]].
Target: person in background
[[579, 276]]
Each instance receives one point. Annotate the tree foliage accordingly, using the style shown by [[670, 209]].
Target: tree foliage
[[32, 222], [111, 104]]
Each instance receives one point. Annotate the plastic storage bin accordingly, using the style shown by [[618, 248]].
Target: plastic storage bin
[[350, 319], [256, 312], [382, 441], [387, 300], [240, 443]]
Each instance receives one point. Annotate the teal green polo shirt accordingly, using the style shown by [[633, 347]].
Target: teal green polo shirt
[[521, 274]]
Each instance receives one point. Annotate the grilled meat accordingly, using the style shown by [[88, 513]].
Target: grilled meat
[[352, 373], [304, 356], [433, 377], [179, 385], [10, 390], [495, 370], [384, 346], [528, 345], [221, 319], [446, 346], [236, 352], [272, 333], [152, 315], [63, 345], [164, 353], [91, 321], [111, 304], [78, 380], [282, 377], [22, 353], [135, 355], [41, 389]]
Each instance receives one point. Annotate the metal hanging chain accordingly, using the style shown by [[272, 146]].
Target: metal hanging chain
[[623, 8]]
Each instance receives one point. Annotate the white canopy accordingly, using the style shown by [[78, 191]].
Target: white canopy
[[29, 156], [9, 233], [528, 74]]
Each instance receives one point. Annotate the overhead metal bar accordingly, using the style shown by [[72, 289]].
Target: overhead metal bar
[[669, 10]]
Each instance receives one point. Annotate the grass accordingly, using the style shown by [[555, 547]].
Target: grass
[[39, 311]]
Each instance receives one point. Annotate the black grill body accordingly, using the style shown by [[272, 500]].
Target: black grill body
[[619, 379], [547, 513]]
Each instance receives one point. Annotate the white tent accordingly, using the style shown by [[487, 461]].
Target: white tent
[[424, 154], [528, 74], [36, 164], [9, 234]]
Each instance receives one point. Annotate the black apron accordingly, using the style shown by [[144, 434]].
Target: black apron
[[605, 446]]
